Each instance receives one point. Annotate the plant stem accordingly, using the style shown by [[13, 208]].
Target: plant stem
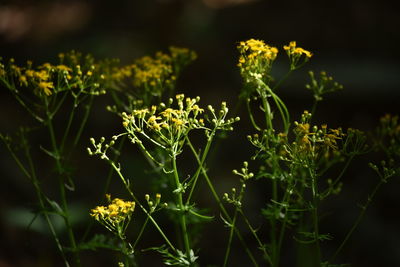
[[222, 208], [315, 200], [32, 177], [62, 187], [124, 181], [201, 163], [274, 254], [182, 210], [254, 232], [228, 248], [140, 232], [358, 220]]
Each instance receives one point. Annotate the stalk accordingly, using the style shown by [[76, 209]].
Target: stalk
[[181, 207]]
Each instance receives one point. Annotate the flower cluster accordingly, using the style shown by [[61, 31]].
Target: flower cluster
[[155, 74], [73, 72], [316, 141], [116, 216], [297, 55], [255, 59]]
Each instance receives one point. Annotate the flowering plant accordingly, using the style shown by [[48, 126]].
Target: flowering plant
[[299, 163]]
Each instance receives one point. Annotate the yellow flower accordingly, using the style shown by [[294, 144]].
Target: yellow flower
[[42, 75], [46, 86], [113, 214], [22, 80], [256, 58], [64, 68], [29, 73]]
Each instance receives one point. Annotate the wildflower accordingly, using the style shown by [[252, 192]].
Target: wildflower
[[46, 86], [116, 215], [47, 66], [23, 80], [255, 59], [293, 49], [63, 68], [295, 55], [29, 73], [41, 75], [152, 123]]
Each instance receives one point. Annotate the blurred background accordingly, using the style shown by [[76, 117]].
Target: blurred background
[[354, 41]]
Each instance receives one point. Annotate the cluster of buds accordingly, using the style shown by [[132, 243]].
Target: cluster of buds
[[244, 172], [167, 127], [325, 84], [154, 204], [101, 147]]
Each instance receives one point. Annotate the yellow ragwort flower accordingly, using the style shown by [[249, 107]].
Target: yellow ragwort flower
[[46, 86]]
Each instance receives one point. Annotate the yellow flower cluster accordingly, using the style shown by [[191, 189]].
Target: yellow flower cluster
[[40, 77], [296, 55], [317, 140], [256, 58], [154, 74], [115, 214], [292, 49], [74, 71]]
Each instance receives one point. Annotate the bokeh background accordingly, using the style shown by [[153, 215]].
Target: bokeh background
[[355, 41]]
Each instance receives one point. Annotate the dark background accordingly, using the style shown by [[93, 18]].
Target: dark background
[[355, 41]]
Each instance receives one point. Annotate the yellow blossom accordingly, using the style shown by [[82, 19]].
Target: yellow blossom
[[115, 213], [63, 68], [46, 86]]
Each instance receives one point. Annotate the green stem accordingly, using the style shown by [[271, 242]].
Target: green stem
[[254, 233], [140, 232], [274, 254], [201, 163], [222, 208], [314, 108], [253, 122], [126, 184], [283, 228], [32, 177], [315, 200], [182, 210], [267, 110], [358, 220], [67, 129], [83, 122], [280, 105], [62, 187], [282, 80], [228, 248]]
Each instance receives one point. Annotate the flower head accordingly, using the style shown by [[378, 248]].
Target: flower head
[[297, 55], [115, 216]]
